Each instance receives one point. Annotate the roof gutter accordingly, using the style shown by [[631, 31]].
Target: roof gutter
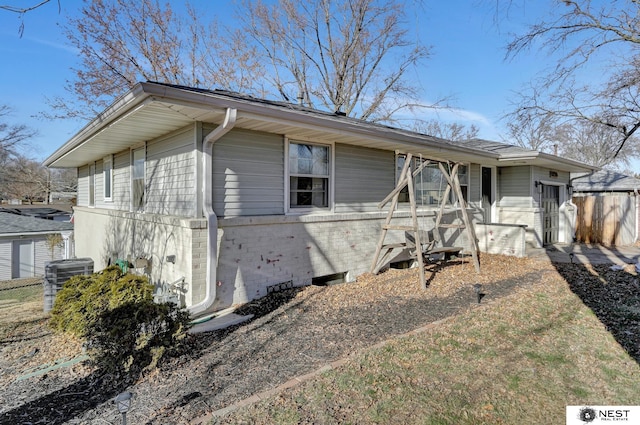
[[212, 219]]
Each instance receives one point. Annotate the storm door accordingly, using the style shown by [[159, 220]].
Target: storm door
[[551, 211]]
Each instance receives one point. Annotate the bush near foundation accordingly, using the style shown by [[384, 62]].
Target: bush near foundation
[[116, 316]]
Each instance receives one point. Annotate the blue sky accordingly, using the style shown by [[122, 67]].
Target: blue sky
[[467, 63]]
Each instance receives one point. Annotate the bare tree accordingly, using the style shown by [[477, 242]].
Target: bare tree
[[532, 129], [350, 56], [13, 138], [25, 179], [602, 38], [595, 144], [122, 42], [450, 131]]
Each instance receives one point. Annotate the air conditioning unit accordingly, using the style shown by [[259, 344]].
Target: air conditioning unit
[[57, 272]]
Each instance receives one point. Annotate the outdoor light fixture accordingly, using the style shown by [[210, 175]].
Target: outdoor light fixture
[[538, 185], [123, 403], [477, 288]]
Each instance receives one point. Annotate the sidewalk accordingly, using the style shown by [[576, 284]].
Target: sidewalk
[[586, 253]]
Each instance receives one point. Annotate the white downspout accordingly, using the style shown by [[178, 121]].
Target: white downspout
[[212, 240]]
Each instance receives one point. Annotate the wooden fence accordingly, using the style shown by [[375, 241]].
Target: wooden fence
[[607, 219]]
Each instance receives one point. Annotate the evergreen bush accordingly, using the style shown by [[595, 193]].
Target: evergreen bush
[[116, 316]]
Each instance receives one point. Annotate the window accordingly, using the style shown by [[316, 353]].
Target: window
[[430, 184], [463, 176], [92, 185], [137, 179], [308, 176], [107, 173]]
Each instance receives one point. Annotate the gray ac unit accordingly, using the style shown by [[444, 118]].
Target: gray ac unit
[[57, 272]]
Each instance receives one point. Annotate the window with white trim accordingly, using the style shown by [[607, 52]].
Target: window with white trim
[[430, 184], [137, 179], [92, 185], [107, 176], [309, 175]]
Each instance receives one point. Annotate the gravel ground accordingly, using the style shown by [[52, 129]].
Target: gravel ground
[[293, 333]]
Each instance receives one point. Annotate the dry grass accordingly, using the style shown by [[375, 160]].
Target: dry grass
[[529, 349], [519, 360]]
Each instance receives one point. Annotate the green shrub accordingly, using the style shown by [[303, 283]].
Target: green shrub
[[83, 299], [116, 315]]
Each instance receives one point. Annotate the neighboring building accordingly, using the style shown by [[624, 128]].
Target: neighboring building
[[608, 208], [234, 195], [27, 243], [47, 213]]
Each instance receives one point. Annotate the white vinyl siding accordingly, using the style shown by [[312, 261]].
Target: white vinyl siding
[[248, 174], [171, 175], [363, 178]]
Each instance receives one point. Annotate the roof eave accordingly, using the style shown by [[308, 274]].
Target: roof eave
[[117, 110]]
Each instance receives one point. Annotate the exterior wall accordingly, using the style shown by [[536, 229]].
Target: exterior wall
[[121, 196], [363, 178], [5, 258], [248, 174], [258, 245], [502, 239], [517, 205], [83, 186], [544, 175], [170, 171], [529, 217], [42, 253], [515, 187], [99, 188], [123, 235], [259, 252]]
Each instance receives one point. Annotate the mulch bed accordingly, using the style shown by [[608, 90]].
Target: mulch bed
[[293, 332]]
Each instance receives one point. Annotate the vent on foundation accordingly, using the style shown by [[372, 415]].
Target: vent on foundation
[[279, 287]]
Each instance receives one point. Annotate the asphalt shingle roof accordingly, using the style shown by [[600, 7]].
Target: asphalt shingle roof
[[605, 180], [19, 224]]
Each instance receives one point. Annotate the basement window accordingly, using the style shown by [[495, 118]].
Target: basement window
[[330, 279]]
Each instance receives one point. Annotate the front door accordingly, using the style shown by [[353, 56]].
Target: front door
[[551, 213], [22, 259]]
